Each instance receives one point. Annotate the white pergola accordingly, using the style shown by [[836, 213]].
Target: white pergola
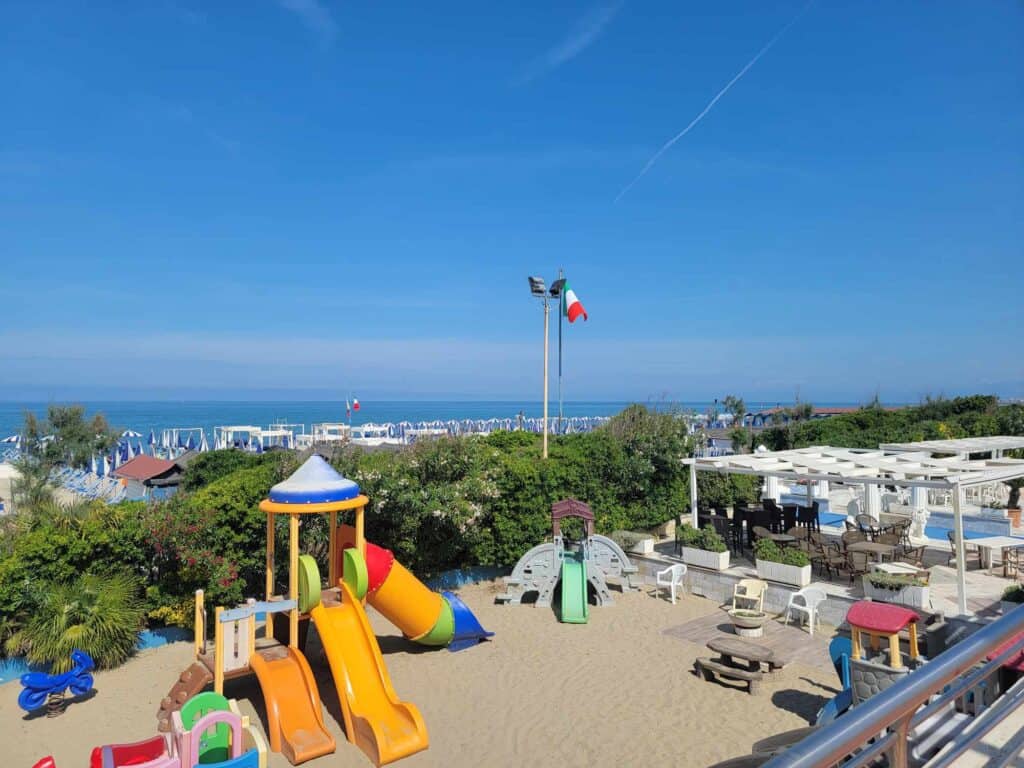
[[963, 447], [872, 468]]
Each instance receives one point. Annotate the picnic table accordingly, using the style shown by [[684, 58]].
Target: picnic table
[[877, 550], [737, 660]]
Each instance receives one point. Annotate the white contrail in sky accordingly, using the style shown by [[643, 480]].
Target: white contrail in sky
[[668, 145]]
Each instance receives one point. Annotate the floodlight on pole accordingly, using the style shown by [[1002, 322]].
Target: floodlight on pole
[[556, 293]]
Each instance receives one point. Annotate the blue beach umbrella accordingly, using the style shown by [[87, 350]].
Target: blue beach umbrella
[[11, 439], [131, 433]]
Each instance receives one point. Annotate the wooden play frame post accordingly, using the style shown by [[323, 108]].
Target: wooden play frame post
[[332, 508], [895, 660]]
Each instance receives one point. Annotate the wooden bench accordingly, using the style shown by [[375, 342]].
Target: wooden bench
[[706, 667]]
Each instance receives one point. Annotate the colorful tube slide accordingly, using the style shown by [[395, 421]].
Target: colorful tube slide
[[376, 720], [424, 616]]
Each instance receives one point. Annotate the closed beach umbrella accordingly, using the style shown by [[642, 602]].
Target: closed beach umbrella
[[203, 445], [189, 444], [129, 450], [92, 464], [152, 439], [104, 466], [11, 439]]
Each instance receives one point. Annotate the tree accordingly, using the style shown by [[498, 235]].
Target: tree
[[736, 407], [66, 436]]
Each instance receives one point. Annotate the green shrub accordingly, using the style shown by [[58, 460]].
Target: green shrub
[[100, 615], [1014, 594], [767, 550], [628, 539], [706, 538], [894, 581]]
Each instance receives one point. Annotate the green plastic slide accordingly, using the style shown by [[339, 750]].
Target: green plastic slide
[[574, 590]]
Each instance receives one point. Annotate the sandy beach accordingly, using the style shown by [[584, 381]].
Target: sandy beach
[[617, 691]]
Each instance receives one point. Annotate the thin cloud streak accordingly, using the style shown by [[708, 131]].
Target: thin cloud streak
[[583, 34], [315, 16], [671, 142]]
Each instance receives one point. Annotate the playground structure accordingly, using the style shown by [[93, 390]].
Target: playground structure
[[39, 688], [209, 730], [592, 561], [375, 719]]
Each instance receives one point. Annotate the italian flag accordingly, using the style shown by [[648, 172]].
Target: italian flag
[[571, 305]]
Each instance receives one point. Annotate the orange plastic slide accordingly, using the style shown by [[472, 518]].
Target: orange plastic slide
[[376, 721], [295, 721]]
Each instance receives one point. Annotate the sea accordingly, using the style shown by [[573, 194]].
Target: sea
[[143, 416]]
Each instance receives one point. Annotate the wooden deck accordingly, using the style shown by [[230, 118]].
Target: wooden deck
[[268, 648]]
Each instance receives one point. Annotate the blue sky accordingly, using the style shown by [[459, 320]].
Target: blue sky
[[310, 197]]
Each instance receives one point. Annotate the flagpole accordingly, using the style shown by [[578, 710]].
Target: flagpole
[[561, 308]]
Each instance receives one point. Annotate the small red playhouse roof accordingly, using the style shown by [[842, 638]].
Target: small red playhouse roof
[[880, 617]]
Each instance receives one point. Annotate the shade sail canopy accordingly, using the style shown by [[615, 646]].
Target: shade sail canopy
[[315, 482], [877, 467]]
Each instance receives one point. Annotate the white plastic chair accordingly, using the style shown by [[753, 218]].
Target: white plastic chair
[[671, 577], [806, 602]]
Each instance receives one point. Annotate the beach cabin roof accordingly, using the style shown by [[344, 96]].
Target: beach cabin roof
[[143, 468]]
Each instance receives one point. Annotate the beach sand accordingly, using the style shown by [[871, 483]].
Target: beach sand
[[615, 692]]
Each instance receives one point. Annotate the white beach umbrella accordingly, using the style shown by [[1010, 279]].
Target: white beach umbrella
[[11, 439], [130, 450], [92, 464], [131, 433], [104, 466], [203, 445]]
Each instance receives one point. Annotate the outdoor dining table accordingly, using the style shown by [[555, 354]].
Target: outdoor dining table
[[987, 544], [783, 539], [876, 549], [755, 655]]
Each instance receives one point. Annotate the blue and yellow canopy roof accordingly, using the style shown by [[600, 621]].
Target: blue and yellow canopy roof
[[315, 487]]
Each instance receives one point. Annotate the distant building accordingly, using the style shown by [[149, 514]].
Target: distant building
[[147, 476]]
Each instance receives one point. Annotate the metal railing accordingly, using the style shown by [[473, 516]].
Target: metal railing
[[853, 740]]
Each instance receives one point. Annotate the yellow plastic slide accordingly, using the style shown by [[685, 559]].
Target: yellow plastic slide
[[295, 722], [376, 721]]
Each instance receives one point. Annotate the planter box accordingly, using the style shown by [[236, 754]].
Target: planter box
[[700, 558], [910, 596], [798, 576], [643, 547]]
